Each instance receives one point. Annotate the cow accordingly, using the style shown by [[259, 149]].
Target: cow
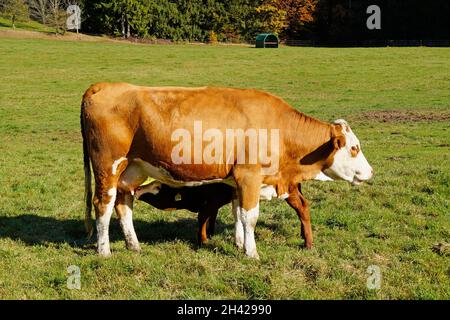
[[129, 133]]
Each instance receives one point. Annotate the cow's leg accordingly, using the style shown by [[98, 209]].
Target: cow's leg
[[248, 189], [238, 226], [298, 202], [124, 210], [104, 199], [107, 172]]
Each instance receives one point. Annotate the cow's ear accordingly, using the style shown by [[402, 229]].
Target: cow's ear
[[338, 142]]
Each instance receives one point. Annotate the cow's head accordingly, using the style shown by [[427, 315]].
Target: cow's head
[[348, 162]]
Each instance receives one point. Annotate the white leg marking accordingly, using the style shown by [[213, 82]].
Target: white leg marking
[[238, 227], [126, 223], [249, 219], [103, 226], [116, 165]]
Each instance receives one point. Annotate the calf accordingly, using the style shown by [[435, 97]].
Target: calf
[[205, 200]]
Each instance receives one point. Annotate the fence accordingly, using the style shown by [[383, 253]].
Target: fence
[[368, 43]]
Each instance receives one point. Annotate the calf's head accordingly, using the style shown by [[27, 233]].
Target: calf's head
[[347, 162]]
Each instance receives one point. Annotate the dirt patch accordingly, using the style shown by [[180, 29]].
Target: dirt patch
[[441, 248], [403, 116], [24, 34], [71, 36]]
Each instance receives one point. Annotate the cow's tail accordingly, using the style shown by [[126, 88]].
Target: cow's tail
[[87, 174]]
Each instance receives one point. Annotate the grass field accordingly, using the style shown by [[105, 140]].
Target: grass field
[[30, 25], [397, 101]]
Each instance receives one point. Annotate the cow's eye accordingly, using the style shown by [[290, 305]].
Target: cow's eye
[[354, 150]]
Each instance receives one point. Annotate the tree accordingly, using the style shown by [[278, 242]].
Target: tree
[[288, 17], [16, 10], [273, 17], [57, 15], [38, 10]]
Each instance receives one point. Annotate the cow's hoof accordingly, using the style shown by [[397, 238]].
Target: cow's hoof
[[308, 246], [135, 248], [253, 255], [104, 254]]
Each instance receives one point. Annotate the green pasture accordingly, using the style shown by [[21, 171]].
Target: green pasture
[[397, 101]]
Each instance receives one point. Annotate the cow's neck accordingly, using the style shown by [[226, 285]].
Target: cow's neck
[[306, 134], [308, 142]]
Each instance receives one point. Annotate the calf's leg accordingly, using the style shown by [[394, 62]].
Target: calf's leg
[[203, 217], [207, 220], [210, 231]]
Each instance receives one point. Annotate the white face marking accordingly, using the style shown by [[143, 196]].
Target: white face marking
[[249, 219], [103, 247], [116, 165], [322, 177], [345, 166]]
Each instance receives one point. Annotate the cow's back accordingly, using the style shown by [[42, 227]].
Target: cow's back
[[146, 117]]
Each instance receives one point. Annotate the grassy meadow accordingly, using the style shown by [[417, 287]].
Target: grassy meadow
[[397, 101]]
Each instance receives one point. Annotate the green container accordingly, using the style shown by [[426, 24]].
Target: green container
[[266, 40]]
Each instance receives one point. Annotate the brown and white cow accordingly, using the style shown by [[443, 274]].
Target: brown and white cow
[[129, 133]]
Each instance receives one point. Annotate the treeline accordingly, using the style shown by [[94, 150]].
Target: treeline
[[242, 20], [193, 20]]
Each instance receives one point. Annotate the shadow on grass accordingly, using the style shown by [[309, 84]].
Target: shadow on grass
[[37, 230]]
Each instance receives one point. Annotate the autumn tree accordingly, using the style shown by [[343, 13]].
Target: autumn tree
[[273, 17], [288, 17]]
